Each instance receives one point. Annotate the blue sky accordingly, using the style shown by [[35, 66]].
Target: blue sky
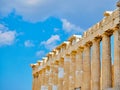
[[29, 29]]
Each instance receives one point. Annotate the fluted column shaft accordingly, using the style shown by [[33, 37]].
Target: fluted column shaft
[[72, 71], [106, 62], [46, 77], [79, 68], [35, 83], [86, 69], [39, 81], [43, 79], [55, 76], [95, 71], [61, 74], [66, 72], [117, 57], [33, 87], [51, 78]]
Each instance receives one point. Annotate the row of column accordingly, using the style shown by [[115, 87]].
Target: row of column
[[83, 69]]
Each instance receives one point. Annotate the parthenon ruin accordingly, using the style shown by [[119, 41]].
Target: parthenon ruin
[[73, 65]]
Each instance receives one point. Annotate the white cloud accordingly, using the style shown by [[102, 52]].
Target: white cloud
[[40, 53], [28, 43], [51, 42], [7, 37], [36, 10], [70, 28]]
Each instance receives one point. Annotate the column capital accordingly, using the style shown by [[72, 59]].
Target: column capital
[[61, 59], [116, 29], [67, 57], [97, 39], [36, 74], [73, 52], [43, 69], [47, 67], [107, 33], [40, 72], [118, 4], [56, 63], [34, 65], [88, 44], [80, 49], [39, 62]]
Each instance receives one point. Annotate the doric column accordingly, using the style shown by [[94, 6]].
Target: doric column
[[117, 57], [66, 72], [47, 81], [106, 62], [39, 78], [95, 64], [60, 74], [43, 79], [38, 81], [35, 81], [47, 77], [86, 68], [79, 68], [39, 63], [51, 77], [33, 87], [72, 70], [55, 76]]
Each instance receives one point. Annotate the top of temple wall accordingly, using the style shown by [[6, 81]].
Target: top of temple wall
[[74, 37], [108, 16], [110, 20], [107, 13], [118, 4]]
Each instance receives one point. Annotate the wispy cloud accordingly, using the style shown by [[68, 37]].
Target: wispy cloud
[[29, 43], [70, 28], [7, 37], [51, 42], [40, 53]]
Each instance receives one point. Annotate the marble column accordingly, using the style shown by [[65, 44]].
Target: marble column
[[39, 80], [55, 76], [33, 87], [79, 68], [66, 72], [35, 81], [72, 70], [95, 64], [60, 74], [46, 77], [117, 58], [106, 62], [43, 79], [51, 77], [86, 68]]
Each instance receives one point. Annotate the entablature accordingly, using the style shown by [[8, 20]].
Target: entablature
[[107, 25]]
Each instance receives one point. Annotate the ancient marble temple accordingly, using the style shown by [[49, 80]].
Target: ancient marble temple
[[77, 64]]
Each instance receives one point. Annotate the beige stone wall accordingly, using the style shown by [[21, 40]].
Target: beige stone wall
[[76, 63]]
